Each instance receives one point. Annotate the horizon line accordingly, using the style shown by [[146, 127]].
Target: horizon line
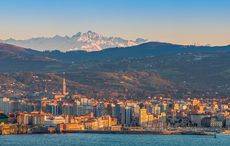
[[115, 36]]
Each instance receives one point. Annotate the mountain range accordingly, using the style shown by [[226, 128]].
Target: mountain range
[[148, 69], [88, 41]]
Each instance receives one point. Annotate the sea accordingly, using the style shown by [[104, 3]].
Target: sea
[[87, 139]]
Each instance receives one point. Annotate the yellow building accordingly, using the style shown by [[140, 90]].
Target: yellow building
[[6, 129], [195, 102], [148, 120], [116, 128], [91, 125], [176, 107], [71, 127], [145, 118], [101, 123]]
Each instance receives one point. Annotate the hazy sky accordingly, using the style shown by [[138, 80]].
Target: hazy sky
[[177, 21]]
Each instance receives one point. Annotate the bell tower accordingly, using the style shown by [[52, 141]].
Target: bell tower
[[64, 90]]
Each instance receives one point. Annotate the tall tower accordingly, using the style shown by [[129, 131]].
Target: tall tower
[[64, 91]]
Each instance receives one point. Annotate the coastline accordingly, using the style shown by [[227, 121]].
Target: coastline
[[91, 139], [125, 132], [141, 132]]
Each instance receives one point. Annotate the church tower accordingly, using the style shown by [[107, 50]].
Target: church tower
[[64, 90]]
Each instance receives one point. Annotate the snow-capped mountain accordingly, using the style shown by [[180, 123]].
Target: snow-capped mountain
[[88, 41]]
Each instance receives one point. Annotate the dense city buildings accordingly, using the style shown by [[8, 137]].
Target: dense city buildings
[[65, 112]]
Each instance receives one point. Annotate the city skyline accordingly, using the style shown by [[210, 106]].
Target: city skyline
[[182, 22], [114, 72]]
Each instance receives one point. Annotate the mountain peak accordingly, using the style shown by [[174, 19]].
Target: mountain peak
[[91, 32]]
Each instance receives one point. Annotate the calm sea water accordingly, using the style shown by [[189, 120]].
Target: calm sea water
[[113, 140]]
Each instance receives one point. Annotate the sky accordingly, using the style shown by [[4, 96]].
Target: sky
[[177, 21]]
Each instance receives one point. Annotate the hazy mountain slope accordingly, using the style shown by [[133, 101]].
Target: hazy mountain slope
[[139, 71], [18, 59], [94, 84]]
